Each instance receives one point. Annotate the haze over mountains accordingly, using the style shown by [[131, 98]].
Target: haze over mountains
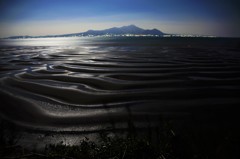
[[130, 30]]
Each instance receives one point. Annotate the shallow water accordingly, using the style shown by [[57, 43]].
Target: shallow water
[[89, 84]]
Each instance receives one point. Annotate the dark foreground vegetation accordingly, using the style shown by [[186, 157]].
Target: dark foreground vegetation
[[181, 140]]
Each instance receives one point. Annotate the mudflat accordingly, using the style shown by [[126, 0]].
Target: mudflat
[[86, 85]]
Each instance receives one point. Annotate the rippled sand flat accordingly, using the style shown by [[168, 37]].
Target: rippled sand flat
[[89, 84]]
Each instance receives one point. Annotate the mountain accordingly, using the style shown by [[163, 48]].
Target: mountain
[[131, 29], [115, 31]]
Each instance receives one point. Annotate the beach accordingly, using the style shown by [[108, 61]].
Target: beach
[[71, 86]]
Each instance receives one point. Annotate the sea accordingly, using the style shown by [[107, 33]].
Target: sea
[[63, 89]]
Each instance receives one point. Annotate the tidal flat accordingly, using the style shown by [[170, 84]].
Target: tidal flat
[[178, 97]]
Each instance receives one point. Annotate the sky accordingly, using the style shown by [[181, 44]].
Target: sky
[[47, 17]]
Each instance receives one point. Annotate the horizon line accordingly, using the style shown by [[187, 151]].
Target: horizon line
[[172, 34]]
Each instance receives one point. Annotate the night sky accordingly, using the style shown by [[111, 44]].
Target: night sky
[[43, 17]]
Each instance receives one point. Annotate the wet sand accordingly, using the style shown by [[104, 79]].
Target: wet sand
[[89, 84]]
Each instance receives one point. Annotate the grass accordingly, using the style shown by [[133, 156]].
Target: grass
[[118, 148], [171, 140]]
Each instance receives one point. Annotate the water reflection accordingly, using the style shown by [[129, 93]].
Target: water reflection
[[82, 83], [45, 41]]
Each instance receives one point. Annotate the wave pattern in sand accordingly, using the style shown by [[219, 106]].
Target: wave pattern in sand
[[93, 85]]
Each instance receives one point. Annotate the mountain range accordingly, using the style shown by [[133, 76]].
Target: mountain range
[[130, 30]]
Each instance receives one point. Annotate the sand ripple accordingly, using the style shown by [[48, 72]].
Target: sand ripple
[[91, 86]]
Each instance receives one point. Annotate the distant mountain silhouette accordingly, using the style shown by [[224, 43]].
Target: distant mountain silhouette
[[130, 29]]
